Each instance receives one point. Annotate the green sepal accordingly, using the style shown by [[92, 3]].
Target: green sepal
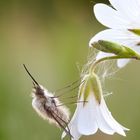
[[87, 91], [135, 31], [96, 87], [91, 85], [115, 48], [84, 89], [81, 89]]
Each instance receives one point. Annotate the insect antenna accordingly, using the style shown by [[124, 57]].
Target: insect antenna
[[34, 81]]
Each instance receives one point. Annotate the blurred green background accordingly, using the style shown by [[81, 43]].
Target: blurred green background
[[51, 37]]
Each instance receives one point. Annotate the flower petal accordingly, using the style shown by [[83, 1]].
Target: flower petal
[[87, 124], [128, 8], [73, 126], [102, 55], [101, 122], [122, 37], [122, 62], [137, 48], [110, 120], [109, 17], [73, 131]]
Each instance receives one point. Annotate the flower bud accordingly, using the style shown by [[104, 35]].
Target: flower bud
[[117, 49]]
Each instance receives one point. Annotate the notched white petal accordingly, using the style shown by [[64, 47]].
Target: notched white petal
[[97, 116], [109, 17], [102, 124], [123, 37], [128, 8], [118, 128]]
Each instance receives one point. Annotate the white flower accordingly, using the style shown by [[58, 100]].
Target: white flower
[[123, 19], [93, 114]]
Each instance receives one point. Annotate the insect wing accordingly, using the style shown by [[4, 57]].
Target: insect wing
[[59, 121]]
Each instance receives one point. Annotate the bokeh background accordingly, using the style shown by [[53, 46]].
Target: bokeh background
[[51, 37]]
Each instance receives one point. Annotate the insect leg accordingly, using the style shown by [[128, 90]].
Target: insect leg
[[71, 103], [56, 117], [70, 85], [67, 91]]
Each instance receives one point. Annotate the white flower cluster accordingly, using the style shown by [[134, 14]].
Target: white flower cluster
[[123, 19], [122, 42]]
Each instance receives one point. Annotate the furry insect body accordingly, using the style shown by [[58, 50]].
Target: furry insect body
[[47, 106]]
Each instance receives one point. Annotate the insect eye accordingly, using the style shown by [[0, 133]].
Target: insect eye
[[53, 101], [39, 91]]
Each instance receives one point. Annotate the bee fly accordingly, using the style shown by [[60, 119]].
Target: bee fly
[[48, 106]]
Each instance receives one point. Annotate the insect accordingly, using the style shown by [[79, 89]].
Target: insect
[[48, 106]]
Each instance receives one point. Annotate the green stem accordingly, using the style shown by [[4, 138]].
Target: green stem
[[92, 68]]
